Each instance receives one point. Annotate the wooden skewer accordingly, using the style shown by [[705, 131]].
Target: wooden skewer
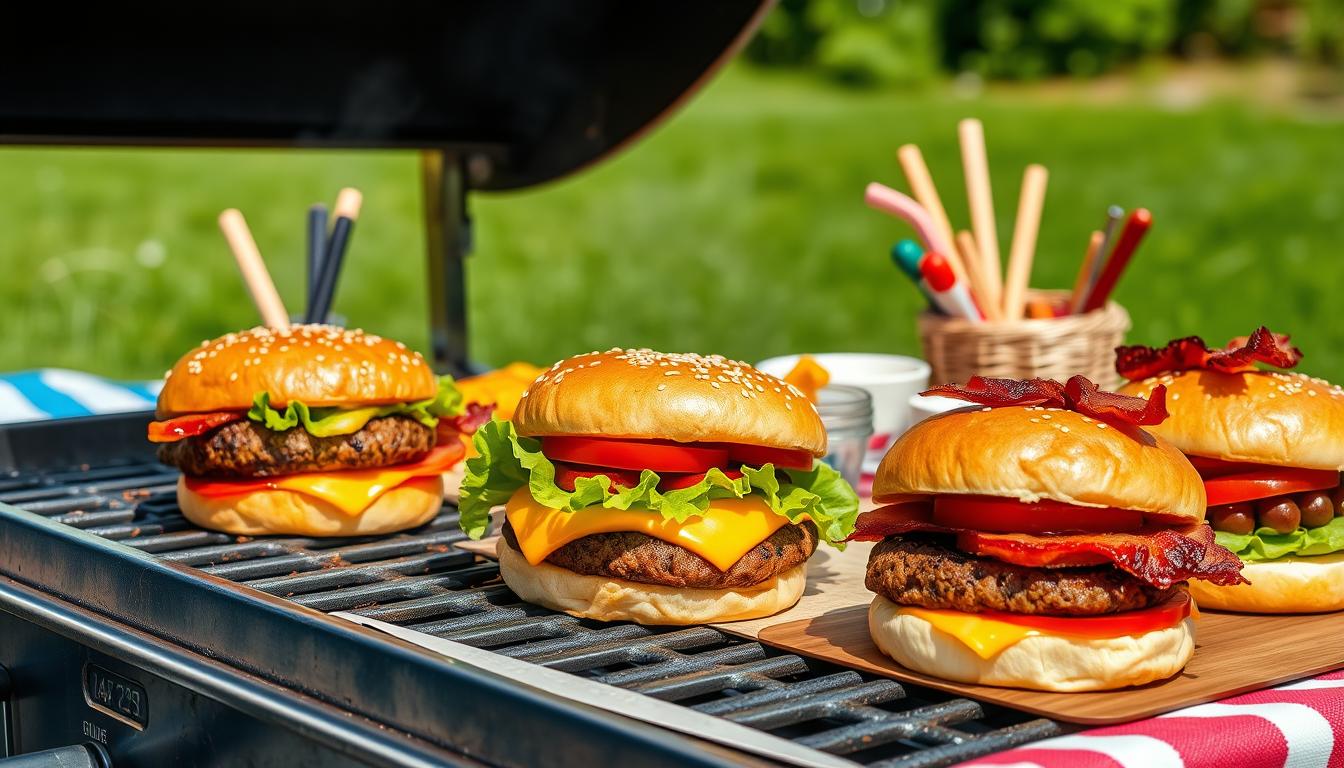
[[258, 280], [970, 256], [921, 183], [1023, 250], [975, 164], [1084, 279]]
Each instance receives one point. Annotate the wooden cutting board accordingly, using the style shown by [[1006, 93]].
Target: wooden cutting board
[[1234, 653]]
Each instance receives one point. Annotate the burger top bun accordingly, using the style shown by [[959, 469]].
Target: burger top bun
[[1266, 417], [1031, 453], [317, 365], [638, 393]]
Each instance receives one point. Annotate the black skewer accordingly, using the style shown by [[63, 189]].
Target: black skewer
[[317, 248], [347, 211]]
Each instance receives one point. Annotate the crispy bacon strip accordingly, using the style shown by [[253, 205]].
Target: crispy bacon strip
[[472, 417], [1077, 394], [1191, 353], [1158, 557]]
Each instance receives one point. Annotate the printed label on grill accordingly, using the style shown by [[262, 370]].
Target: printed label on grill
[[113, 694]]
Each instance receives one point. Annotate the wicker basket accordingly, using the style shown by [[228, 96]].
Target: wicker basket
[[1050, 349]]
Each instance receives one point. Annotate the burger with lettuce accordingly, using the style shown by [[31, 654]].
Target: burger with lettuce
[[311, 430], [658, 488], [1267, 444]]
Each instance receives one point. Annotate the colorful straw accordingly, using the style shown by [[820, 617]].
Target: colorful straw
[[1135, 228]]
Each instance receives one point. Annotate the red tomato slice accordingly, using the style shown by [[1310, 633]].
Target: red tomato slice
[[191, 425], [439, 460], [677, 482], [999, 515], [758, 456], [658, 455], [1208, 467], [1264, 483], [566, 474], [1170, 613]]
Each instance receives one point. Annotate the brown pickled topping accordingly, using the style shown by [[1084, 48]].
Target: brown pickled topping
[[1317, 508], [1233, 518], [1284, 514], [1280, 513]]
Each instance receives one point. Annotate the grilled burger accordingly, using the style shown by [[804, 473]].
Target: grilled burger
[[311, 430], [1040, 540], [657, 488], [1268, 446]]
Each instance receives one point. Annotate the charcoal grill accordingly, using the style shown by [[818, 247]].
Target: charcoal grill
[[229, 641], [130, 638]]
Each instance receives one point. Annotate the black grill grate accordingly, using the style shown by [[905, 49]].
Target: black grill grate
[[421, 581]]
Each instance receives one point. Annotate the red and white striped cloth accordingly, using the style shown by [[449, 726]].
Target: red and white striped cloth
[[1293, 726]]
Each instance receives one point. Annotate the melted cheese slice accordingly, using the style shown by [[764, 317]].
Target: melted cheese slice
[[351, 495], [726, 531], [986, 637]]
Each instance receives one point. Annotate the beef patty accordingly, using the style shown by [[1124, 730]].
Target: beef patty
[[641, 558], [248, 449], [919, 571]]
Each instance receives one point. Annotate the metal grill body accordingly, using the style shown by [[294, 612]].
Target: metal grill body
[[421, 581]]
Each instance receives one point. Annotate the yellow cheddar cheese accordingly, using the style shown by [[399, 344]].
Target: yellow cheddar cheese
[[726, 531], [349, 491], [986, 637]]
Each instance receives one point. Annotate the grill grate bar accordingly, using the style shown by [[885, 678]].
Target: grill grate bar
[[420, 580]]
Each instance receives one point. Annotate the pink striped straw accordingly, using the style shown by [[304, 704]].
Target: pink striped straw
[[888, 200]]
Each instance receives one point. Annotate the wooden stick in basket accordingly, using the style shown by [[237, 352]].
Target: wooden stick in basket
[[921, 183], [975, 164], [1023, 250], [970, 256], [1084, 279], [259, 283]]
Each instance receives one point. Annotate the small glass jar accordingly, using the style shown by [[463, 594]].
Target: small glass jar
[[847, 413]]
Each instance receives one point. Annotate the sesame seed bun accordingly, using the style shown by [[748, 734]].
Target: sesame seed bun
[[271, 512], [1265, 417], [683, 397], [1043, 663], [318, 365], [1032, 453]]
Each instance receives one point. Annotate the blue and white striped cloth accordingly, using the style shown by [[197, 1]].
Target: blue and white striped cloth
[[56, 393]]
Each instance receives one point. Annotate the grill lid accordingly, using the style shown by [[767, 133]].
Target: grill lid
[[533, 89]]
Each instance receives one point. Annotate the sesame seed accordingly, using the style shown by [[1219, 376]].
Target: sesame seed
[[661, 387], [1063, 429], [1045, 416], [715, 385], [1034, 420], [671, 373], [745, 393], [1101, 425]]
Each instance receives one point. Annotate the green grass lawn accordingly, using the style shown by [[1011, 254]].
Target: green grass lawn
[[738, 227]]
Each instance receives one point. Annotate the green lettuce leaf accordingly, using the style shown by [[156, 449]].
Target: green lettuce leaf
[[1265, 544], [508, 461], [326, 422]]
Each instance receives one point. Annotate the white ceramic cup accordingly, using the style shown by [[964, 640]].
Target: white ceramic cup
[[922, 407], [889, 379]]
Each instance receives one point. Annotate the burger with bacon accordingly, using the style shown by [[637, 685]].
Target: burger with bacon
[[310, 430], [657, 488], [1039, 540], [1268, 446]]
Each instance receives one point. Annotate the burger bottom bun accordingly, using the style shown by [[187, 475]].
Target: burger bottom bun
[[1287, 585], [414, 502], [607, 599], [1042, 663]]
